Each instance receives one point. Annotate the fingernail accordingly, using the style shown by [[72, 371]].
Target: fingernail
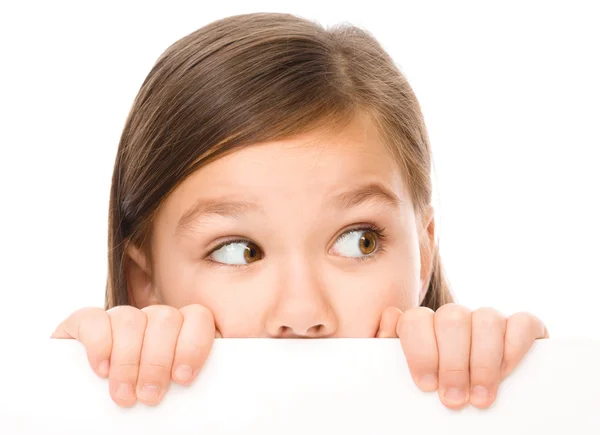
[[124, 391], [149, 392], [103, 368], [428, 382], [480, 393], [455, 396], [183, 373]]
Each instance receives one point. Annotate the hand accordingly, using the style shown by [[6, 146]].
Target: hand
[[462, 354], [140, 351]]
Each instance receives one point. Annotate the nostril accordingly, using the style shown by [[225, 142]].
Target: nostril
[[316, 329], [284, 331]]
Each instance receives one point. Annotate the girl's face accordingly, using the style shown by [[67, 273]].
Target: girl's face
[[310, 237]]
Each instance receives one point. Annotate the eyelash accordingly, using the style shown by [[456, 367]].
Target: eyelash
[[379, 232], [381, 240], [219, 246]]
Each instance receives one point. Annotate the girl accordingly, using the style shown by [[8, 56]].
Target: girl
[[273, 180]]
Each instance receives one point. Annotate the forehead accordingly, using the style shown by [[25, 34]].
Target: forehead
[[304, 168]]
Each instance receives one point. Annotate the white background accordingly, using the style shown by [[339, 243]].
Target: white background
[[510, 93]]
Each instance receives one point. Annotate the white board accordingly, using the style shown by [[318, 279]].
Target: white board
[[328, 386]]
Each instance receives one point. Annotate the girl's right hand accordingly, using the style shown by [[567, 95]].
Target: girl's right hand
[[141, 351]]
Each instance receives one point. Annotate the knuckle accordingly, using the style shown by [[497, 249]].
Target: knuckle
[[488, 312], [154, 371], [416, 316], [488, 318], [158, 367], [126, 366], [124, 371], [199, 311], [453, 373], [484, 372], [452, 315], [418, 313], [163, 315], [127, 316]]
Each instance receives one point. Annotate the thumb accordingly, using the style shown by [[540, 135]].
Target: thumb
[[389, 321]]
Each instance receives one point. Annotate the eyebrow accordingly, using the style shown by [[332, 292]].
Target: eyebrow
[[234, 209], [371, 192], [206, 207]]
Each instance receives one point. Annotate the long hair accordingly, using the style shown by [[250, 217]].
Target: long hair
[[253, 78]]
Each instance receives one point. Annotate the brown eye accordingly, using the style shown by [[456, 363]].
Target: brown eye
[[357, 243], [368, 242], [237, 252], [252, 253]]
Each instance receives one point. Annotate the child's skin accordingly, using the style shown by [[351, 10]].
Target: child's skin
[[291, 200]]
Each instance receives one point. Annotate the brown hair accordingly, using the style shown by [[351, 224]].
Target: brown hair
[[253, 78]]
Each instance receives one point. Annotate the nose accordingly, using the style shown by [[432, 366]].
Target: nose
[[301, 310]]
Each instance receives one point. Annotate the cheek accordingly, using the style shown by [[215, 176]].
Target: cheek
[[238, 302], [360, 297], [240, 307]]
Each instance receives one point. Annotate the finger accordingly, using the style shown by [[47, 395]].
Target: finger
[[388, 323], [487, 348], [91, 327], [194, 343], [417, 337], [522, 329], [128, 325], [453, 332], [158, 351]]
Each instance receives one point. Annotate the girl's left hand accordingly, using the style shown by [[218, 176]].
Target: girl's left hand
[[462, 354]]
